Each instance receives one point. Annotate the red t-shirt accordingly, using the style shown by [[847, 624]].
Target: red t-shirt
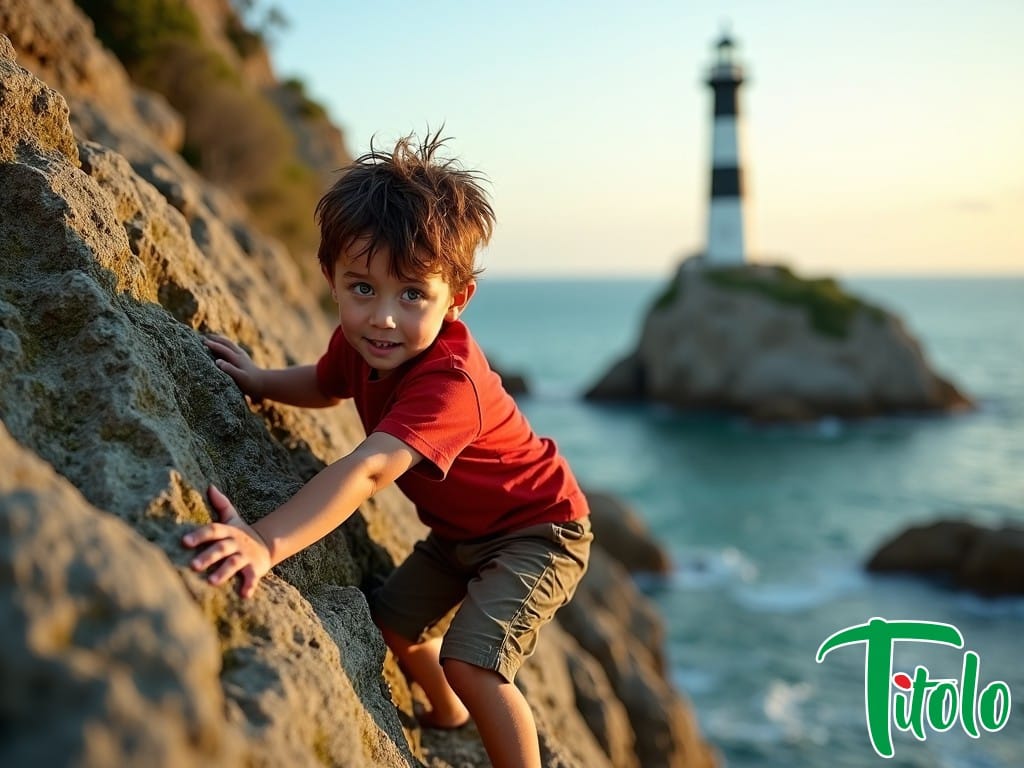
[[484, 471]]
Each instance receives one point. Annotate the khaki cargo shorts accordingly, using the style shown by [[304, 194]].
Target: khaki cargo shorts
[[508, 585]]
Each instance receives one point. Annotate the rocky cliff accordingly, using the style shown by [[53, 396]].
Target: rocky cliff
[[763, 342], [114, 257]]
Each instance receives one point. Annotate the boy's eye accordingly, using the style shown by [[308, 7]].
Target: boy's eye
[[361, 289], [412, 294]]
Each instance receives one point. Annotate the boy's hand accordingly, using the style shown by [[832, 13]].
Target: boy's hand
[[237, 364], [234, 547]]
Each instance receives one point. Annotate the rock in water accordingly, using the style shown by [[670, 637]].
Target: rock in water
[[958, 553], [762, 342]]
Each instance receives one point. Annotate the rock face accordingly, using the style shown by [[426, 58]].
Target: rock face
[[114, 422], [958, 553], [625, 536], [764, 343], [78, 619]]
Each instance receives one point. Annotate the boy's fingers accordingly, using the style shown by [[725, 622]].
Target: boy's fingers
[[206, 534], [221, 503], [249, 581], [227, 366], [229, 567], [223, 341], [215, 345], [213, 554], [223, 351]]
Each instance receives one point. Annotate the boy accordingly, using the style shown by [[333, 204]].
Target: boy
[[510, 535]]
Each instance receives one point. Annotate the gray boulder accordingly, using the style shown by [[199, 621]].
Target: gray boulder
[[760, 341], [958, 553]]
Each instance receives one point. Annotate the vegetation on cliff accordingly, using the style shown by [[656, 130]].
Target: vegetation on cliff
[[236, 133]]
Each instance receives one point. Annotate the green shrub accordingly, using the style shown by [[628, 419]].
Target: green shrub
[[234, 135], [668, 297], [135, 30], [306, 106], [829, 308]]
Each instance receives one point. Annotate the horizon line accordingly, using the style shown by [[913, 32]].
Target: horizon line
[[490, 273]]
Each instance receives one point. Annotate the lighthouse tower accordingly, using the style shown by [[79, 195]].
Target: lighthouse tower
[[726, 243]]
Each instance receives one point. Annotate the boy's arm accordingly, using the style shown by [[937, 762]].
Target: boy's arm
[[320, 506], [293, 386], [326, 501]]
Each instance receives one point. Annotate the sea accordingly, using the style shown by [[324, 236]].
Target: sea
[[769, 527]]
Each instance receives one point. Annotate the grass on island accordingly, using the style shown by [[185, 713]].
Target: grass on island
[[829, 308]]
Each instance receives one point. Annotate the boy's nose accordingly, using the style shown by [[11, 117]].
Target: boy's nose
[[383, 317]]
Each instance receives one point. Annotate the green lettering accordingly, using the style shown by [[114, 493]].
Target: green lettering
[[917, 701], [879, 636], [942, 706], [969, 694], [901, 713], [994, 707]]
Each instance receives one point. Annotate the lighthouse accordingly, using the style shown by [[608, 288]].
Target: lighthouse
[[726, 242]]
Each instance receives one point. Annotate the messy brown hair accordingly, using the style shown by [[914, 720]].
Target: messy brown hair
[[428, 212]]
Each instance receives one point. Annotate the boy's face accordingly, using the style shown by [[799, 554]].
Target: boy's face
[[388, 320]]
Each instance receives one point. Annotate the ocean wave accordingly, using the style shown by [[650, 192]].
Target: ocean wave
[[780, 717], [708, 569], [695, 681], [990, 607], [792, 597]]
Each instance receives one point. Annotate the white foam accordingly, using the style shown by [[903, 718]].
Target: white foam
[[783, 704], [707, 569], [793, 597]]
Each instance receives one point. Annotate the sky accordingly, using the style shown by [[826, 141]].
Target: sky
[[878, 137]]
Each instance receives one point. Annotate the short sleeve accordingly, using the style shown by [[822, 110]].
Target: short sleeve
[[437, 413], [330, 369]]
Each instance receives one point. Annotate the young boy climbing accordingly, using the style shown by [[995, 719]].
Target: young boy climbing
[[509, 532]]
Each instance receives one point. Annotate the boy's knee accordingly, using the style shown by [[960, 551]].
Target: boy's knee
[[462, 675]]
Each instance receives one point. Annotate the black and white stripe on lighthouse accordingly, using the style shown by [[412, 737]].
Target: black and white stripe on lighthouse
[[726, 241]]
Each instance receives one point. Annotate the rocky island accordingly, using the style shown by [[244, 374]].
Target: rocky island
[[760, 341], [115, 255]]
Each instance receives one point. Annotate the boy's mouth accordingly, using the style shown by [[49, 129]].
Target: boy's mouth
[[382, 344]]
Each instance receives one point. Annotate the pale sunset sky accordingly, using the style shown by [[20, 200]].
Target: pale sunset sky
[[880, 137]]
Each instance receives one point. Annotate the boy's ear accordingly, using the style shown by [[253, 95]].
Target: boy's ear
[[459, 301], [330, 281]]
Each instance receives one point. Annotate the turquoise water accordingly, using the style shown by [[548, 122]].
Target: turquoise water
[[768, 526]]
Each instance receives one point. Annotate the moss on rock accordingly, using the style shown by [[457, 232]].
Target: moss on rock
[[829, 308]]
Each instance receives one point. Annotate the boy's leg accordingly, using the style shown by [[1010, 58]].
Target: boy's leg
[[501, 713], [422, 663], [416, 596], [521, 580]]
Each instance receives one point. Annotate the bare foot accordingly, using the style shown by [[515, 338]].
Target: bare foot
[[430, 719]]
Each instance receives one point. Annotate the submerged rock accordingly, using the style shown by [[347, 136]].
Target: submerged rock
[[962, 554], [762, 342]]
